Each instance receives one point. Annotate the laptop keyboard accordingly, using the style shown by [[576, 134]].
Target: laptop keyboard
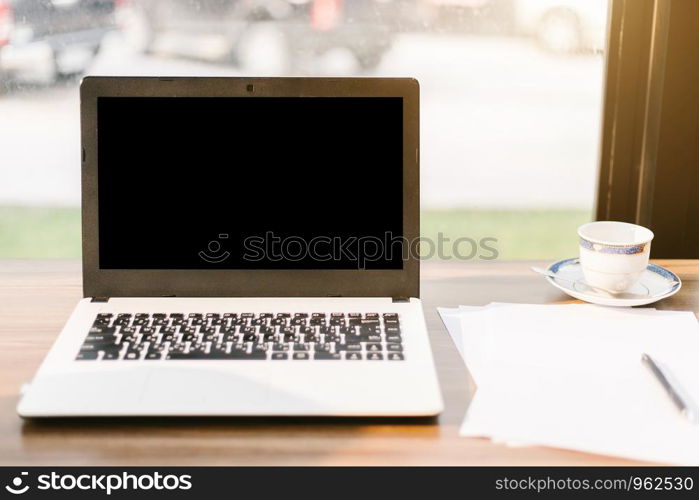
[[234, 336]]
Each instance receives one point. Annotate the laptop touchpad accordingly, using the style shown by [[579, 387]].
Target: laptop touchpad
[[201, 388]]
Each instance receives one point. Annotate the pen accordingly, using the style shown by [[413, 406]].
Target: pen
[[671, 388]]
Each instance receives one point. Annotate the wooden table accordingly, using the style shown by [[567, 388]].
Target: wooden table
[[36, 298]]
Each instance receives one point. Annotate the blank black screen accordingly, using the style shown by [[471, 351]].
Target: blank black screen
[[188, 183]]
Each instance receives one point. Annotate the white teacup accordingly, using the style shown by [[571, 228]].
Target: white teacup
[[613, 255]]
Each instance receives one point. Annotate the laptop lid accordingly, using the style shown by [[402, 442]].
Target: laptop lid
[[250, 187]]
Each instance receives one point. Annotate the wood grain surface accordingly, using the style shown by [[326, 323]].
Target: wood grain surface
[[36, 298]]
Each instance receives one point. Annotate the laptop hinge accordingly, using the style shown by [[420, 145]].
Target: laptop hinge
[[99, 299], [400, 299]]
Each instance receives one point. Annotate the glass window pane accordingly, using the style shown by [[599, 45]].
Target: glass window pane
[[511, 94]]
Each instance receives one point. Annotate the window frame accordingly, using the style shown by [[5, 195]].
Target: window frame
[[651, 122]]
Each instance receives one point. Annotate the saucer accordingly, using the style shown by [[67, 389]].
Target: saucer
[[655, 284]]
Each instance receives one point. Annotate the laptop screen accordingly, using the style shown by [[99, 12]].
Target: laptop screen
[[250, 182]]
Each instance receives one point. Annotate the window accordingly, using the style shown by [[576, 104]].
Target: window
[[511, 96]]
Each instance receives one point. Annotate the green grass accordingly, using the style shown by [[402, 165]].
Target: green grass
[[40, 233], [520, 234]]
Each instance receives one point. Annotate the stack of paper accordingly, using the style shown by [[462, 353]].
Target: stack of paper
[[570, 376]]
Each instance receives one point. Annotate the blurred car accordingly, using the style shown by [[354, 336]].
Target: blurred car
[[254, 32], [563, 25], [42, 40], [471, 16]]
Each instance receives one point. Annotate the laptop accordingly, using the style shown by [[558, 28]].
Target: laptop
[[249, 248]]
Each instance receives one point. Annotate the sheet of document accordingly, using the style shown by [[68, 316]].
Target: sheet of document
[[570, 376]]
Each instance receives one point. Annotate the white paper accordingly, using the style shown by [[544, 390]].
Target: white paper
[[570, 376]]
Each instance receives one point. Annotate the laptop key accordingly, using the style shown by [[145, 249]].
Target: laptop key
[[86, 355], [99, 347], [258, 356], [280, 355], [301, 355], [395, 356], [90, 348], [327, 355], [257, 348], [353, 356], [109, 330], [394, 347], [100, 338], [373, 356], [374, 348], [235, 355]]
